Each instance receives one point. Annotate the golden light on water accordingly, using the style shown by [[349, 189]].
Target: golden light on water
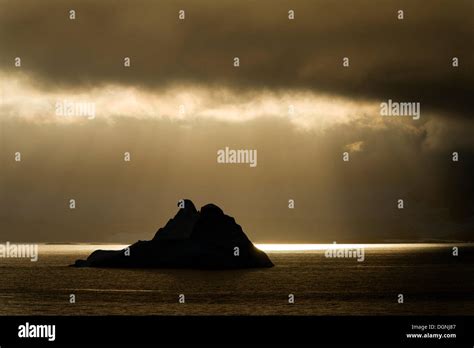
[[316, 247], [267, 247]]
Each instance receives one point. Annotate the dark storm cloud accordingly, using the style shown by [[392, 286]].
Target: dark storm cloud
[[408, 60]]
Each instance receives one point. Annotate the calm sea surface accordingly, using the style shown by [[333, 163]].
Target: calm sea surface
[[432, 281]]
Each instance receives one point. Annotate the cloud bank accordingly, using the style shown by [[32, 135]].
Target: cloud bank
[[291, 99]]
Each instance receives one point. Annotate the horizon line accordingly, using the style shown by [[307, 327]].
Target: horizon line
[[267, 247]]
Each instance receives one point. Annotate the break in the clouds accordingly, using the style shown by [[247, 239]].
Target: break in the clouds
[[304, 109]]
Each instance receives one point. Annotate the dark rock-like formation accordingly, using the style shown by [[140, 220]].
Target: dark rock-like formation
[[206, 239]]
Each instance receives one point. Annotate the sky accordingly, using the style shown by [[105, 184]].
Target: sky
[[291, 99]]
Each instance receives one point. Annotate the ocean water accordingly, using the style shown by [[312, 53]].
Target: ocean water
[[432, 281]]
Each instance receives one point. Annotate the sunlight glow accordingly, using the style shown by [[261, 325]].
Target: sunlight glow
[[87, 248], [316, 247], [309, 110]]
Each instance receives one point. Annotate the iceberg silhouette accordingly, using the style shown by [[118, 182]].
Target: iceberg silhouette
[[205, 239]]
